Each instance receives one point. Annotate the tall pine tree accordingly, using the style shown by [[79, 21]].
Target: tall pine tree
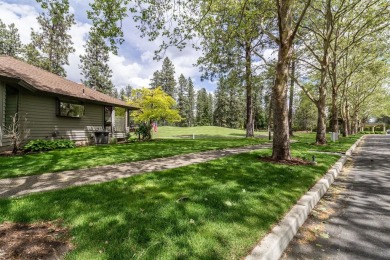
[[122, 94], [114, 93], [167, 77], [221, 112], [52, 44], [237, 102], [210, 108], [229, 102], [155, 81], [191, 103], [203, 108], [10, 43], [182, 99], [128, 91], [94, 67]]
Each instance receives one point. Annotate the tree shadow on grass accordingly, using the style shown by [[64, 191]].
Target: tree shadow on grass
[[231, 203]]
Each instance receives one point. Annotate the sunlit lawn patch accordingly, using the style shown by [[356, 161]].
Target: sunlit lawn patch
[[91, 156], [206, 132], [306, 141]]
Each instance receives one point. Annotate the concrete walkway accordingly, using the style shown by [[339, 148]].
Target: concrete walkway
[[352, 221], [14, 187]]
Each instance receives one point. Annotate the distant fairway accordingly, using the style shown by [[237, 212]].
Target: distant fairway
[[201, 132]]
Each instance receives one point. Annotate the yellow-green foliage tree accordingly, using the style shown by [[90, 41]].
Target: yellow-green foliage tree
[[155, 104]]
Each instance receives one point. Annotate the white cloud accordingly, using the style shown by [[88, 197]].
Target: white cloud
[[23, 16], [79, 33], [147, 56], [125, 72]]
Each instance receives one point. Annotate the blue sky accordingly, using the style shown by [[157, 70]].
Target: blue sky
[[134, 63]]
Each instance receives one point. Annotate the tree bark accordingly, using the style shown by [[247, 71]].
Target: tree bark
[[334, 108], [249, 99], [270, 117], [346, 121], [281, 140], [291, 100], [321, 123], [335, 112]]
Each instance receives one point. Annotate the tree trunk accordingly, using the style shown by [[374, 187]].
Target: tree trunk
[[249, 101], [321, 123], [334, 111], [270, 117], [281, 140], [354, 124], [290, 105], [15, 148], [346, 121]]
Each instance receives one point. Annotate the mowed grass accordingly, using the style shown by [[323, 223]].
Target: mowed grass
[[213, 210], [201, 132], [92, 156], [306, 141]]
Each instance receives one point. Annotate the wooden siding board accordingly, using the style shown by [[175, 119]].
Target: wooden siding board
[[2, 103], [11, 108], [3, 140], [43, 122]]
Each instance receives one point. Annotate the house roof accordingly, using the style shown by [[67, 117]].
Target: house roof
[[38, 79]]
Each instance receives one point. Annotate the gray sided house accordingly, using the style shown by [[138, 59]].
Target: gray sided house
[[57, 108]]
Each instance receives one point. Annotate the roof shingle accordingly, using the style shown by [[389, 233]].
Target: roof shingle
[[48, 82]]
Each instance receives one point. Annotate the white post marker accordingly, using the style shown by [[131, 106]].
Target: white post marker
[[193, 136]]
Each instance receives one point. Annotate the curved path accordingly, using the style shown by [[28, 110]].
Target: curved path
[[13, 187], [358, 225]]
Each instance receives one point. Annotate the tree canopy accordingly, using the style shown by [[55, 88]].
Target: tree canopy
[[155, 104]]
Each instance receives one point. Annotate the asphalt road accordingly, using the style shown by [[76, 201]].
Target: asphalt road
[[352, 221]]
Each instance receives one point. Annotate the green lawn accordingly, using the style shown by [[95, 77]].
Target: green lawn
[[306, 141], [230, 203], [213, 132], [91, 156]]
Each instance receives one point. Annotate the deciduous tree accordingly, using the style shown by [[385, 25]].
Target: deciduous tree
[[155, 104]]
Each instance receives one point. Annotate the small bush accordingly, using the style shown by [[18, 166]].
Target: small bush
[[47, 145], [132, 139], [144, 131]]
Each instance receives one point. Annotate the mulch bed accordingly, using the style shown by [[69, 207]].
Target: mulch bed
[[292, 161], [45, 240]]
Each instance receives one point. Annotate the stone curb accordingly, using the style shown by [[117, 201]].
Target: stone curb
[[273, 245]]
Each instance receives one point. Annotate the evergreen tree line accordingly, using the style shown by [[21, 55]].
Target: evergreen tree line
[[226, 108], [195, 108]]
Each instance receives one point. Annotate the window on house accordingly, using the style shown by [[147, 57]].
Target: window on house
[[68, 109]]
